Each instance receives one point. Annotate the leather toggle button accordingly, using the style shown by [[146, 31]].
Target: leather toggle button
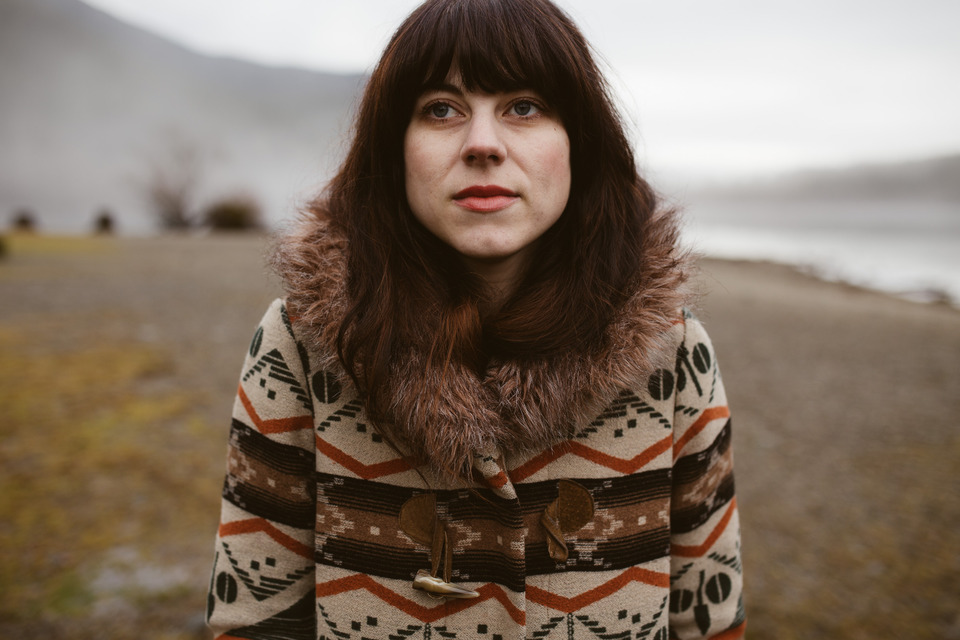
[[419, 520], [436, 587], [572, 509]]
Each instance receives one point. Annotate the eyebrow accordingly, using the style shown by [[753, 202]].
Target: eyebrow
[[444, 86]]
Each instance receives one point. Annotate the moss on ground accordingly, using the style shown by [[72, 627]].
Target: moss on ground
[[97, 455]]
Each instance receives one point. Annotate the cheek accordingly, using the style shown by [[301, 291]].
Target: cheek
[[421, 168], [414, 170], [555, 167]]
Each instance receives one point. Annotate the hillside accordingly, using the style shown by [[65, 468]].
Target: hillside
[[91, 108], [934, 179]]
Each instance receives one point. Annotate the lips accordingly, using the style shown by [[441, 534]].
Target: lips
[[485, 198]]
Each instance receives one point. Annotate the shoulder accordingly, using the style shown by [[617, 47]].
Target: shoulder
[[276, 335], [686, 333], [693, 341], [312, 264], [277, 362]]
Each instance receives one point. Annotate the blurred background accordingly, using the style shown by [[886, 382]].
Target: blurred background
[[815, 150]]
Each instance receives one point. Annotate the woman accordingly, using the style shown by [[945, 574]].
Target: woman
[[481, 412]]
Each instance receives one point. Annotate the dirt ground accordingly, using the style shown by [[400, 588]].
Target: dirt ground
[[120, 359]]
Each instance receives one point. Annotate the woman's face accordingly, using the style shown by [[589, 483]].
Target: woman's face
[[486, 173]]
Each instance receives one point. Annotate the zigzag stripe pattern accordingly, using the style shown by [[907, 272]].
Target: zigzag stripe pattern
[[277, 425], [587, 598], [365, 471], [360, 581], [652, 474], [702, 483], [614, 463], [695, 551], [259, 525], [708, 416]]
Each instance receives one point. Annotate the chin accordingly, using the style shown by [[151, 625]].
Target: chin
[[490, 255]]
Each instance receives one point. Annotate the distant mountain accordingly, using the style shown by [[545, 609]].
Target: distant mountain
[[92, 108], [934, 179]]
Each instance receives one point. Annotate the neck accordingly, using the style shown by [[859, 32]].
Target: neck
[[501, 278]]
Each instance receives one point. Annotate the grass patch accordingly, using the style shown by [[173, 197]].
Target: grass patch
[[35, 244], [95, 456]]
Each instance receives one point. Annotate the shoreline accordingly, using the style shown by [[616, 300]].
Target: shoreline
[[934, 296]]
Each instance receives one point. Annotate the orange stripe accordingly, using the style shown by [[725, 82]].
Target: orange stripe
[[365, 471], [623, 465], [571, 605], [418, 611], [732, 634], [497, 481], [700, 549], [259, 525], [708, 416], [280, 425], [620, 464], [536, 463]]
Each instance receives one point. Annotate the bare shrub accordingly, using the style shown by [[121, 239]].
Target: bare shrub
[[171, 186]]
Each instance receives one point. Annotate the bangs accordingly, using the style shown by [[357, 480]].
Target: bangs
[[494, 46]]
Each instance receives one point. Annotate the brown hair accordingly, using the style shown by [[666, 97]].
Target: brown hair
[[406, 287]]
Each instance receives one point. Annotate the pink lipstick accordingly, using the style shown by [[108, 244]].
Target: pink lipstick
[[485, 198]]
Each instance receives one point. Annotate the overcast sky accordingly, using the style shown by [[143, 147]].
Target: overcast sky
[[711, 88]]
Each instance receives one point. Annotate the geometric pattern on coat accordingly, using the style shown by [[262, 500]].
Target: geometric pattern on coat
[[310, 546]]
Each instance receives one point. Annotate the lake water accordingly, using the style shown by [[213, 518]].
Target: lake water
[[910, 249]]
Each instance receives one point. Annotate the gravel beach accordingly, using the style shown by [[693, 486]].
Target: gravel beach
[[844, 404]]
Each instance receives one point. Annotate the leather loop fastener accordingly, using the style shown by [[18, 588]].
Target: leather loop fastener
[[419, 520], [572, 509]]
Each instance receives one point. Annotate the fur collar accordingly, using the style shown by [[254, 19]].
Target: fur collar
[[517, 407]]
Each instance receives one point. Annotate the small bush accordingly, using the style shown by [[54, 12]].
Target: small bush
[[24, 221], [233, 213], [103, 224]]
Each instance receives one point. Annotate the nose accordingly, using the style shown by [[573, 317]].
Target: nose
[[484, 142]]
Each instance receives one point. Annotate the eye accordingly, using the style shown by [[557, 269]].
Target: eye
[[525, 108], [439, 110]]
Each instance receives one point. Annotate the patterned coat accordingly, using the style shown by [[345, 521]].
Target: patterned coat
[[627, 529]]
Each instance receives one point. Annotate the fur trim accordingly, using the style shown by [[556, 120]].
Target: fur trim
[[443, 419]]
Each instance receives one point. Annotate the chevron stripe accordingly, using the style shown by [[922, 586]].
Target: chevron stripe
[[622, 465], [365, 471], [497, 481], [259, 525], [585, 599], [708, 416], [695, 551], [413, 609], [280, 425]]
